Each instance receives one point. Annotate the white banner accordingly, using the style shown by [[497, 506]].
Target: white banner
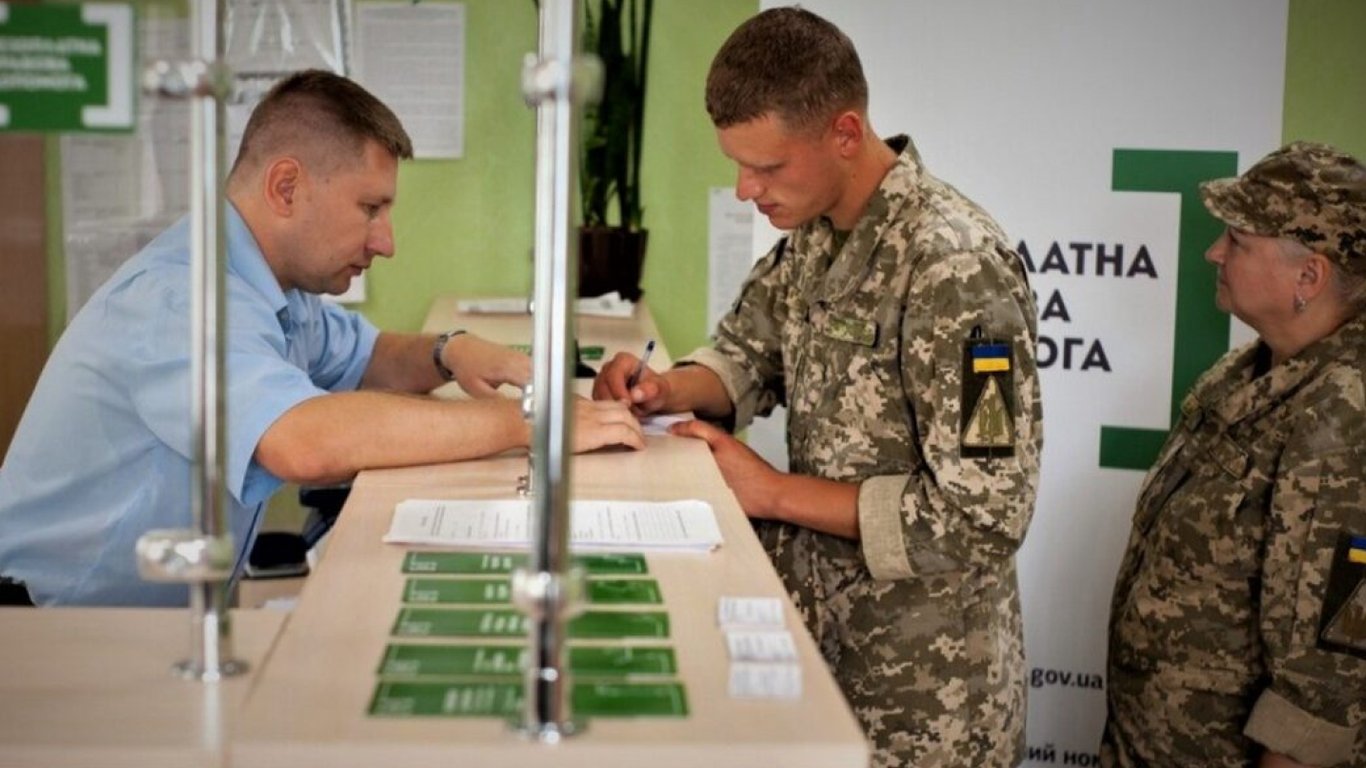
[[1083, 128]]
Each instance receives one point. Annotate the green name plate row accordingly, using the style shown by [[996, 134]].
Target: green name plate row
[[510, 660], [403, 699], [495, 622], [497, 563], [499, 591], [592, 352]]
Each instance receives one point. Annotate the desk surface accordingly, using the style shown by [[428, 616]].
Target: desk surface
[[310, 704], [93, 687]]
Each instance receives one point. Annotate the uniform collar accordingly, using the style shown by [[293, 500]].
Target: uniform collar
[[851, 265], [1235, 395]]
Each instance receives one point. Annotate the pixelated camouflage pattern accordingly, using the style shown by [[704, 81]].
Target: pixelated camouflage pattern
[[1310, 193], [864, 345], [1218, 601]]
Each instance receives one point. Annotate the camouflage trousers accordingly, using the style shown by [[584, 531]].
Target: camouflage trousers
[[932, 668]]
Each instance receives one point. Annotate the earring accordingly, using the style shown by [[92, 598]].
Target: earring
[[1301, 303]]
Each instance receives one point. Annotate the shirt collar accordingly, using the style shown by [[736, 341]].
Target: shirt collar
[[247, 261]]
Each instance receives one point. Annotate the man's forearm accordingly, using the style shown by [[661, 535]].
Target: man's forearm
[[332, 437], [828, 506], [402, 362], [698, 389]]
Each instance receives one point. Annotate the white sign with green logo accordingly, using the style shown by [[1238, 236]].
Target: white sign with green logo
[[66, 67]]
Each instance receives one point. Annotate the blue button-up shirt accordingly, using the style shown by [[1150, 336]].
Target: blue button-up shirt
[[103, 453]]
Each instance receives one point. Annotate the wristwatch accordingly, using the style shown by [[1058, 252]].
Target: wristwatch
[[446, 373]]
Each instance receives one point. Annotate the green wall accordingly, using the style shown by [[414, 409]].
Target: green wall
[[465, 226], [1325, 74]]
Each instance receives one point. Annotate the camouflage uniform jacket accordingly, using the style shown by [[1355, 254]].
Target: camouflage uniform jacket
[[1239, 616], [867, 346]]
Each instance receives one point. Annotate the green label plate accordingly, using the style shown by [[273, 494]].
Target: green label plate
[[508, 660], [404, 699], [495, 622], [496, 563], [499, 591]]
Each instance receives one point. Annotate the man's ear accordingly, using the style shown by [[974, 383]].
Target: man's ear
[[281, 181], [1315, 273], [847, 129]]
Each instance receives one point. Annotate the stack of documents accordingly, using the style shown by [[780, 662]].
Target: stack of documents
[[595, 526], [606, 305]]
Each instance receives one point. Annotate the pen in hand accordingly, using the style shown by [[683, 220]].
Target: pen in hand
[[640, 366]]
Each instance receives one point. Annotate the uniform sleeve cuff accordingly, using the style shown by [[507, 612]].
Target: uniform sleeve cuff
[[1282, 727], [732, 380], [880, 527]]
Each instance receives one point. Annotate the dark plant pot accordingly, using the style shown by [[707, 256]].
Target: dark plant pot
[[611, 259]]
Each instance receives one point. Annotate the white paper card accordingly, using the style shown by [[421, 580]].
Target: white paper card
[[596, 526], [659, 423], [750, 612], [749, 680], [760, 645]]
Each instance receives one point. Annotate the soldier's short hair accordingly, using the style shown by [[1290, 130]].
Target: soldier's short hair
[[789, 62], [323, 117]]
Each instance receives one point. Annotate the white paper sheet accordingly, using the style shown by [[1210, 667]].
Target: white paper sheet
[[752, 612], [597, 526], [730, 224], [760, 645], [412, 56]]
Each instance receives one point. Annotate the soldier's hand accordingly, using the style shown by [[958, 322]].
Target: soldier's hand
[[651, 390], [600, 423], [753, 480]]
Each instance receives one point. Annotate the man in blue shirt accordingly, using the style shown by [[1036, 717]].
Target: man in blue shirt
[[315, 393]]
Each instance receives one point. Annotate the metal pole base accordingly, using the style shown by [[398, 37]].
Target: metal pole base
[[189, 669], [548, 733]]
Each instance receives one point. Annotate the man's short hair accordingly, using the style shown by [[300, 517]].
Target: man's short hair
[[323, 116], [789, 62]]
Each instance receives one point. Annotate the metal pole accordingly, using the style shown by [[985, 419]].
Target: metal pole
[[549, 590], [203, 556]]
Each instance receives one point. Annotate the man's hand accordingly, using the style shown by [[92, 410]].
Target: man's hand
[[828, 506], [649, 395], [754, 481], [600, 423], [481, 366]]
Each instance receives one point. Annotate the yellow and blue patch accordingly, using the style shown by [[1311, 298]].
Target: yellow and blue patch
[[1356, 550], [990, 358], [1342, 622], [987, 429]]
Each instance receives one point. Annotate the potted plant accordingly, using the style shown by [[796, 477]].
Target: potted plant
[[611, 255]]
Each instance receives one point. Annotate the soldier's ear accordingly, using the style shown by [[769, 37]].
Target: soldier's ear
[[847, 129], [1315, 274]]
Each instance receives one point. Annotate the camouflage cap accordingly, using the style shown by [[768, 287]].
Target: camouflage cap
[[1310, 193]]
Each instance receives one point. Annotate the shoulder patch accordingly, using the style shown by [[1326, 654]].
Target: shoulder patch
[[1342, 624], [987, 427]]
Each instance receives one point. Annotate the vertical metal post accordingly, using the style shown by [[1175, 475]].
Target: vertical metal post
[[204, 555], [208, 269], [549, 590]]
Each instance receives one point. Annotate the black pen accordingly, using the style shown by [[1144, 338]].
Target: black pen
[[640, 366]]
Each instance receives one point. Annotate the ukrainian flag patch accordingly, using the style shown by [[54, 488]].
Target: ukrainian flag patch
[[987, 429], [1342, 623], [1356, 550], [990, 358]]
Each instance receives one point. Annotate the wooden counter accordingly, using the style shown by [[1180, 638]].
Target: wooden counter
[[310, 703], [93, 688]]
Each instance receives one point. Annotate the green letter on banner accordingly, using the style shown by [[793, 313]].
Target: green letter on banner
[[66, 67], [1202, 330]]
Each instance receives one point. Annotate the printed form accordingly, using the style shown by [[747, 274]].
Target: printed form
[[601, 526]]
